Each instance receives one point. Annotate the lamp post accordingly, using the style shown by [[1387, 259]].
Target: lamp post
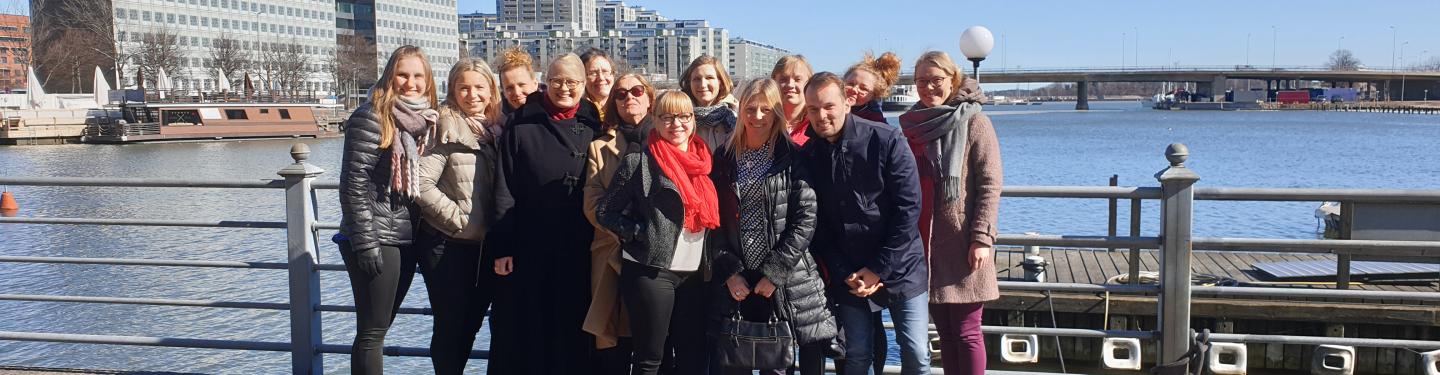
[[1402, 73], [1274, 45], [976, 43]]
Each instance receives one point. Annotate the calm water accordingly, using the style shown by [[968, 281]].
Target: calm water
[[1232, 149]]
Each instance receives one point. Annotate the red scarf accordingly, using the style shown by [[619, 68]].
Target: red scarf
[[690, 170], [798, 133], [557, 113]]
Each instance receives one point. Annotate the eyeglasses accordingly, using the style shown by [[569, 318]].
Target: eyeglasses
[[685, 118], [597, 74], [564, 84], [935, 81], [637, 91]]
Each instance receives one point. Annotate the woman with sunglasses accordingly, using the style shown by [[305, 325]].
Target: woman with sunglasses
[[628, 106], [661, 204], [541, 239]]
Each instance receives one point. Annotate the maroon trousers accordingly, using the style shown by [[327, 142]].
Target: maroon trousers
[[962, 345]]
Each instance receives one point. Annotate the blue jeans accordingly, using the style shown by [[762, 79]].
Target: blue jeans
[[912, 334]]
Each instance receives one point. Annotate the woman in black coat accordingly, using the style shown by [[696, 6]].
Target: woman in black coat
[[767, 216], [541, 239]]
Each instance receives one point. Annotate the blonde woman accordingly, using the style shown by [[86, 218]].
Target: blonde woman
[[767, 217], [707, 84], [661, 204], [958, 157], [384, 140], [624, 131], [457, 200], [541, 240], [791, 73]]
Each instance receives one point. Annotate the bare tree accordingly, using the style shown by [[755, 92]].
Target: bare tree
[[351, 65], [71, 65], [286, 66], [226, 58], [158, 50], [1430, 65], [1343, 60], [94, 20]]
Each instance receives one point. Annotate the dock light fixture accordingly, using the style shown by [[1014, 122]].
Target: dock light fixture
[[976, 43]]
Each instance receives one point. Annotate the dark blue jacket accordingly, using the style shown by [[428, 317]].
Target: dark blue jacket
[[869, 208]]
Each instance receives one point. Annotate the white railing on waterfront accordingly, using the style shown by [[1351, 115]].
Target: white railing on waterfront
[[1176, 193]]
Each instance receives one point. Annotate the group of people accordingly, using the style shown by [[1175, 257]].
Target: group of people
[[608, 228]]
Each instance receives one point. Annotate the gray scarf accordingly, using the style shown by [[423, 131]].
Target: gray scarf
[[720, 115], [416, 123], [945, 130]]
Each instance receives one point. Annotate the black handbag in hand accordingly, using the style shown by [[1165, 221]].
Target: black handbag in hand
[[755, 345]]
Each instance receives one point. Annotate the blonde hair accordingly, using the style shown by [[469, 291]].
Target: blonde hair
[[767, 90], [492, 109], [383, 95], [785, 65], [514, 58], [720, 73], [672, 101], [613, 119], [942, 60], [788, 63], [886, 69], [570, 63]]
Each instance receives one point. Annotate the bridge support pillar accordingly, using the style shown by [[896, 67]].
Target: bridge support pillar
[[1217, 88], [1082, 96]]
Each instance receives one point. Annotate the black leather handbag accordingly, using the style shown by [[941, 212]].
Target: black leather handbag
[[755, 345]]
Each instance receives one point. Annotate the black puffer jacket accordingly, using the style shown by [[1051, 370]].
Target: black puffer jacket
[[371, 213], [644, 208], [800, 295]]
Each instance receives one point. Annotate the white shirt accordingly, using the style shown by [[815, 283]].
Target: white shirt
[[689, 250]]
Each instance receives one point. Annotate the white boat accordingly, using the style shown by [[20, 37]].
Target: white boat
[[901, 99]]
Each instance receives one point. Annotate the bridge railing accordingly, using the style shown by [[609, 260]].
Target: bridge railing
[[1176, 195]]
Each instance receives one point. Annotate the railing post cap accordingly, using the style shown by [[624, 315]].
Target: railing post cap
[[300, 152], [1177, 153]]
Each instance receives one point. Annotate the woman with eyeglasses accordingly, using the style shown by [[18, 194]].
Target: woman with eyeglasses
[[541, 239], [707, 84], [599, 78], [958, 159], [624, 131], [868, 82], [661, 204]]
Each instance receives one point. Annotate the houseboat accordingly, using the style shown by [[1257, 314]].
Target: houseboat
[[152, 122]]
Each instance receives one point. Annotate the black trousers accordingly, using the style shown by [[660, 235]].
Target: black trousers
[[666, 313], [376, 300], [460, 294]]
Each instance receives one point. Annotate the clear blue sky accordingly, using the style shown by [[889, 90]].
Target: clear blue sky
[[833, 34]]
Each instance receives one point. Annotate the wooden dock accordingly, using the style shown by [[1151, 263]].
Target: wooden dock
[[1288, 316]]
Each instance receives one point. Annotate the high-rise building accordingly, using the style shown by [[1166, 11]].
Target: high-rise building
[[429, 24], [750, 59], [660, 49], [580, 12], [315, 28], [14, 51]]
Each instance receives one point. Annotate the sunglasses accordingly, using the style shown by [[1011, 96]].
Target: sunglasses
[[637, 91]]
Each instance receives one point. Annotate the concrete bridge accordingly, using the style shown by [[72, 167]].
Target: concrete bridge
[[1211, 80]]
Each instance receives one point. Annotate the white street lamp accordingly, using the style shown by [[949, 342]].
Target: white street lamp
[[976, 43]]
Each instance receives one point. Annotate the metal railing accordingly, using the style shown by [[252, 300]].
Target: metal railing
[[1176, 195]]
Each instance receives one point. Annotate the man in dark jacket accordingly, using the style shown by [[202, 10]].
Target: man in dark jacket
[[867, 237]]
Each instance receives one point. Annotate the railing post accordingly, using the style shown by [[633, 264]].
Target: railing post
[[1176, 214], [305, 335]]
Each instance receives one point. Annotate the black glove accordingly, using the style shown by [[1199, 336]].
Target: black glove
[[370, 262]]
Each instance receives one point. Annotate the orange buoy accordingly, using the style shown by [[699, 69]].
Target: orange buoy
[[7, 202]]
